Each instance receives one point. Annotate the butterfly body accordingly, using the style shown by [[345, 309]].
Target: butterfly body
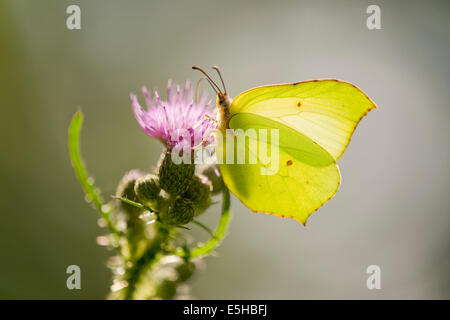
[[223, 104]]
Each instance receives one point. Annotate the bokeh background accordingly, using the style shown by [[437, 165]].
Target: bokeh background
[[392, 209]]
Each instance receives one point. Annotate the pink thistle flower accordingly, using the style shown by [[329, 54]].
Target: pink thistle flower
[[178, 122]]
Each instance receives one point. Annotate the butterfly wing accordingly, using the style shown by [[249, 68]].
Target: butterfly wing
[[326, 111], [293, 184]]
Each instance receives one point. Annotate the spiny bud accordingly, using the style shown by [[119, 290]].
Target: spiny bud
[[126, 190], [213, 175], [199, 192], [147, 188], [182, 211], [175, 178]]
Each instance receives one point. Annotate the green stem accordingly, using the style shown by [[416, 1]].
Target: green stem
[[149, 256]]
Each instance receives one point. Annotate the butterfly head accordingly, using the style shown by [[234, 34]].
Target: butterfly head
[[223, 99]]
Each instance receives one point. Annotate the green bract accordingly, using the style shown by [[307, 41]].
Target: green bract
[[147, 188], [199, 192], [175, 178], [181, 212]]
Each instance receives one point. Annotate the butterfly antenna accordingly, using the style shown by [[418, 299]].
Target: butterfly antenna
[[208, 77], [221, 79], [197, 90], [212, 86]]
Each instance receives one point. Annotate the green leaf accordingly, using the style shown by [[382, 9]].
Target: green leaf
[[182, 227], [92, 193], [130, 202], [201, 225]]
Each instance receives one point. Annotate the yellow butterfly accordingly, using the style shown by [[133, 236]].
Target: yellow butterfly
[[314, 121]]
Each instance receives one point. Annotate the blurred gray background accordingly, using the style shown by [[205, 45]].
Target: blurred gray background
[[392, 209]]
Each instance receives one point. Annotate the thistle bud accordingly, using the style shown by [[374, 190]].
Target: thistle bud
[[180, 212], [213, 175], [126, 190], [166, 290], [199, 192], [147, 188], [185, 270], [175, 178]]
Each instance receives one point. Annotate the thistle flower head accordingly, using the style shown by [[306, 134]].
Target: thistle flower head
[[178, 122]]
